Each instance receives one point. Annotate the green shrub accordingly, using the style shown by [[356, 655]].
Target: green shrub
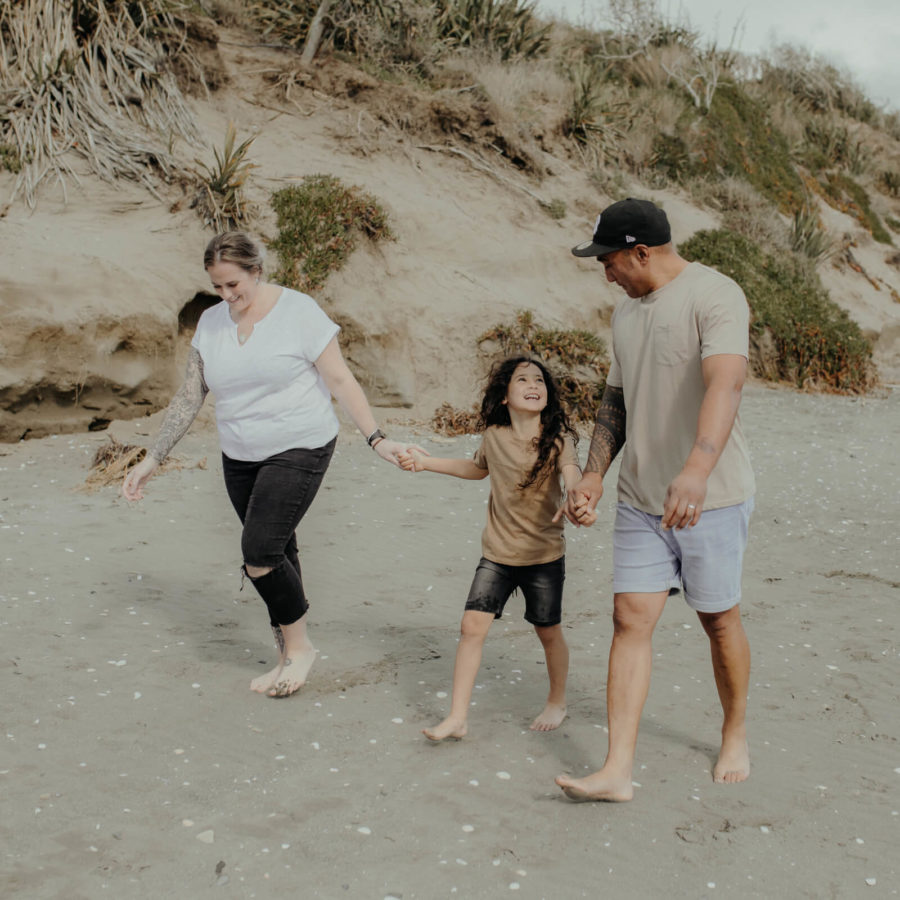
[[843, 193], [737, 137], [577, 359], [318, 221], [817, 344], [556, 208]]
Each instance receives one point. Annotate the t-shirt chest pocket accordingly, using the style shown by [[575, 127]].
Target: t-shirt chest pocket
[[672, 344]]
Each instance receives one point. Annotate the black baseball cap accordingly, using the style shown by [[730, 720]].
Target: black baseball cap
[[626, 224]]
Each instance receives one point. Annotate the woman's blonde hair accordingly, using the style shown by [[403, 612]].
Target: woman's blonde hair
[[234, 247]]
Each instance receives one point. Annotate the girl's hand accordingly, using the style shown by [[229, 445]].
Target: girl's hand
[[392, 451], [587, 517], [137, 477], [412, 460]]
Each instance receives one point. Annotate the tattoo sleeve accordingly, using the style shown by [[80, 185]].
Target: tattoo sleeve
[[182, 409], [609, 431]]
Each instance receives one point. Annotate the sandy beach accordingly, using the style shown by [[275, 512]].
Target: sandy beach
[[137, 763]]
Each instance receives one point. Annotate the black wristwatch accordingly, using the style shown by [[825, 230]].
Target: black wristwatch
[[376, 436]]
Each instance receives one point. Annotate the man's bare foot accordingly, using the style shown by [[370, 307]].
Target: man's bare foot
[[293, 674], [599, 786], [264, 682], [449, 728], [733, 764], [551, 718]]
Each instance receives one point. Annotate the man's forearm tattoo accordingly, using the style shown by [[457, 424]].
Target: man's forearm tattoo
[[182, 409], [609, 431]]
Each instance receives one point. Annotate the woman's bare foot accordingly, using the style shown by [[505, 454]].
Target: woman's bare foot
[[551, 718], [293, 673], [264, 682], [733, 764], [599, 786], [449, 728]]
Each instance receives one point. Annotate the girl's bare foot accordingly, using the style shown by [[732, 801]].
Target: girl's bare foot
[[599, 786], [551, 718], [293, 673], [449, 728]]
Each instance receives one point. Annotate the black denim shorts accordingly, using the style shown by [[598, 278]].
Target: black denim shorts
[[541, 585]]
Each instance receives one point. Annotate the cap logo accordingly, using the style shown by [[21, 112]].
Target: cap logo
[[629, 239]]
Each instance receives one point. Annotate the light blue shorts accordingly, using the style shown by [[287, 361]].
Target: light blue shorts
[[705, 561]]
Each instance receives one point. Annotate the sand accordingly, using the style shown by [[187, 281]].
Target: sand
[[137, 763]]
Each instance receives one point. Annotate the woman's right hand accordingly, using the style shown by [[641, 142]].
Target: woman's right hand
[[137, 476]]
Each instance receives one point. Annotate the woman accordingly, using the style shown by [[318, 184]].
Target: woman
[[271, 357]]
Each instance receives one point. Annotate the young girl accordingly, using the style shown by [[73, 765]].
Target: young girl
[[528, 442]]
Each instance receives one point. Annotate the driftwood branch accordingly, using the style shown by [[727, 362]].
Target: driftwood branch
[[314, 35]]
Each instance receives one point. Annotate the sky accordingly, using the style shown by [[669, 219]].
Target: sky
[[862, 38]]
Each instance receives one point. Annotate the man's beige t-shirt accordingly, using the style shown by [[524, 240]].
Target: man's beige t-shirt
[[519, 529], [658, 343]]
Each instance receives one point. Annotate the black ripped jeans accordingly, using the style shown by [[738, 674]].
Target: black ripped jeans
[[271, 497]]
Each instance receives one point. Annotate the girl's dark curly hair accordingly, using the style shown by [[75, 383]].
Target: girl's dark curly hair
[[554, 421]]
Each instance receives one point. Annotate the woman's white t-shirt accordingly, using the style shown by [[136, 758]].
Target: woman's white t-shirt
[[269, 395]]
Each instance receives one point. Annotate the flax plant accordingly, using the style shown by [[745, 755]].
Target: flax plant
[[221, 202]]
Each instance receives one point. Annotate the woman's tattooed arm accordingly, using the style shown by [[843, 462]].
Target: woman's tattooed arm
[[609, 431], [183, 408]]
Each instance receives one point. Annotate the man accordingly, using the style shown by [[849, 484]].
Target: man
[[679, 360]]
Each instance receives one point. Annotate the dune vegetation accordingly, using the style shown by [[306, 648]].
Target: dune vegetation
[[766, 143]]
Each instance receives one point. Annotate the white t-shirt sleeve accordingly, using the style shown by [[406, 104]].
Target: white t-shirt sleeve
[[314, 328]]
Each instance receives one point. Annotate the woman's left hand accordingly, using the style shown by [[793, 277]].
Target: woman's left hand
[[391, 450]]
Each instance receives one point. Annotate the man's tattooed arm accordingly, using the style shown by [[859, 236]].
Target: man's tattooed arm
[[609, 431], [183, 408]]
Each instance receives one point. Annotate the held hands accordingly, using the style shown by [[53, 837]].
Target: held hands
[[684, 500], [395, 451], [138, 476], [413, 460], [581, 501]]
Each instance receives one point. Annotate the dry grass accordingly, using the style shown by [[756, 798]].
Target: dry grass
[[743, 210], [450, 421], [89, 80], [113, 459]]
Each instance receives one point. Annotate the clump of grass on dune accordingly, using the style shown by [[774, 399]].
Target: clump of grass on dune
[[319, 221], [88, 78]]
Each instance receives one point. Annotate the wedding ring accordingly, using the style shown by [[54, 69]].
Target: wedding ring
[[691, 506]]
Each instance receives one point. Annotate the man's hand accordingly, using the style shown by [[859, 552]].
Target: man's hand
[[582, 500], [684, 500]]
